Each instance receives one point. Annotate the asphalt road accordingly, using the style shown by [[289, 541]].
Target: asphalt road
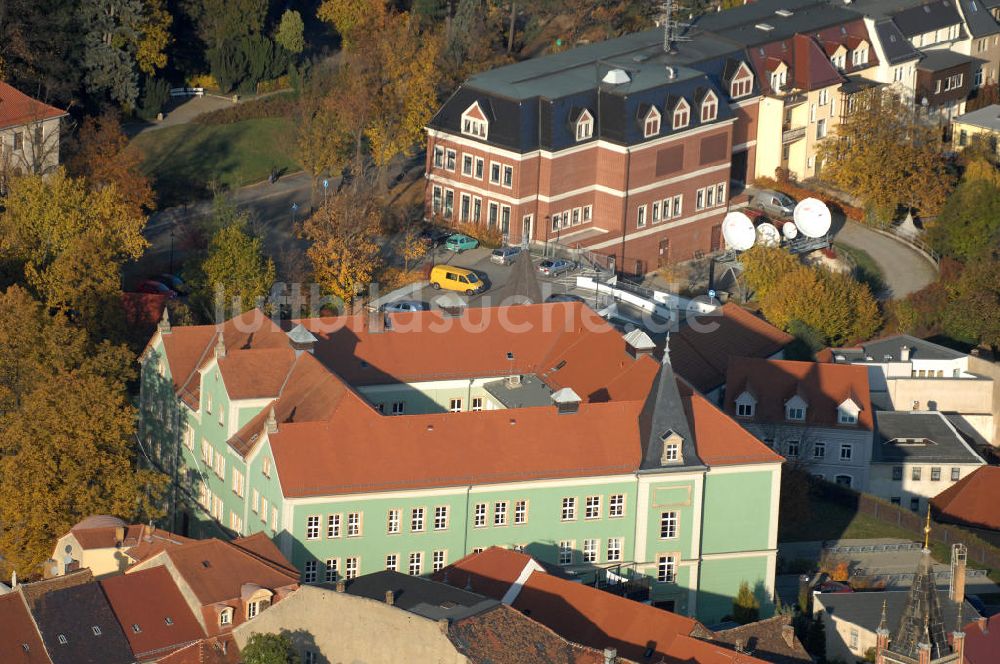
[[905, 269]]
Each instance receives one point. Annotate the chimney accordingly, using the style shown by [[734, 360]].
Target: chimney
[[341, 586], [566, 400], [301, 340], [610, 656], [956, 592], [220, 347], [390, 598], [119, 535], [376, 322], [443, 625], [984, 625], [904, 353], [272, 422], [164, 325], [788, 635]]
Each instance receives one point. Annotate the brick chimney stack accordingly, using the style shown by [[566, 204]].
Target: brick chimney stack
[[390, 598]]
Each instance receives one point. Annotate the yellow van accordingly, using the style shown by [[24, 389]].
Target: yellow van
[[454, 278]]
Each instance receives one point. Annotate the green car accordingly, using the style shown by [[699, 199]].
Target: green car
[[459, 243]]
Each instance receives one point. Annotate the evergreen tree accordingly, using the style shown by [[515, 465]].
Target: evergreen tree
[[746, 606]]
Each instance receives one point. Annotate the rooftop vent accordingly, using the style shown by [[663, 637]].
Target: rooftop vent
[[671, 72], [638, 343], [566, 400], [512, 381], [301, 339], [839, 358], [616, 77], [765, 27], [784, 13]]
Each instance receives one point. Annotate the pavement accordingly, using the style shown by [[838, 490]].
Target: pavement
[[180, 110], [904, 269]]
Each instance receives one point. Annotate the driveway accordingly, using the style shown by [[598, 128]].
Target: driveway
[[905, 269]]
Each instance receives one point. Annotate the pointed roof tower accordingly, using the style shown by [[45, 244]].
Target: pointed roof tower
[[664, 419]]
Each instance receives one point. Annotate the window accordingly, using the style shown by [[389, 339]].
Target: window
[[441, 517], [312, 528], [915, 473], [709, 196], [449, 160], [824, 97], [566, 552], [474, 122], [668, 525], [897, 473], [309, 575], [655, 214], [797, 414], [640, 217], [854, 639], [508, 176], [894, 500], [846, 417], [493, 213], [19, 143], [682, 115], [255, 501], [332, 569], [844, 480], [616, 505], [821, 128], [333, 526], [576, 216], [255, 607], [742, 85], [354, 524], [220, 465], [555, 222], [709, 108], [859, 57], [956, 474], [477, 404], [614, 549], [64, 641], [494, 173], [467, 165], [520, 512], [744, 410], [464, 208], [793, 448], [206, 451], [477, 209], [587, 209], [500, 513], [449, 203], [720, 194], [438, 560], [436, 194], [274, 518], [819, 450], [391, 562], [351, 568], [915, 504], [96, 630], [416, 563], [590, 550], [455, 406], [480, 167], [417, 519], [778, 79], [666, 569], [839, 61], [479, 515], [438, 156], [398, 407], [699, 200], [236, 522], [394, 522], [238, 485], [592, 508], [651, 125], [265, 467], [263, 509], [568, 509], [584, 126], [846, 451], [935, 474], [671, 452]]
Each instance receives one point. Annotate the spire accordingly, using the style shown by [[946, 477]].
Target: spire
[[220, 347], [272, 421], [164, 325], [921, 625], [883, 625], [927, 529]]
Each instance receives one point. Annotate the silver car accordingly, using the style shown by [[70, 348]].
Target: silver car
[[505, 255], [553, 267], [773, 203], [403, 306]]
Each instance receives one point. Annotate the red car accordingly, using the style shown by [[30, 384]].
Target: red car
[[156, 288]]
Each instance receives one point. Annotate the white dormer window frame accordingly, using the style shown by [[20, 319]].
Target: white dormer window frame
[[779, 77], [795, 409], [859, 56], [847, 412], [478, 127], [672, 448], [584, 126], [746, 405], [682, 114], [709, 107], [651, 123], [742, 83], [226, 617]]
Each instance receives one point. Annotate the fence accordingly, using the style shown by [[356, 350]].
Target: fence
[[980, 551], [187, 92]]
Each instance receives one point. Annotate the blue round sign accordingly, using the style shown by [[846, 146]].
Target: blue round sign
[[295, 206], [711, 293], [326, 184]]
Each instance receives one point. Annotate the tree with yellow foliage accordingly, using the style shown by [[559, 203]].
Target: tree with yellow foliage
[[350, 17], [153, 37]]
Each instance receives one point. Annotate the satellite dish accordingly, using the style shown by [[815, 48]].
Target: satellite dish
[[768, 235], [812, 217], [738, 231], [790, 230]]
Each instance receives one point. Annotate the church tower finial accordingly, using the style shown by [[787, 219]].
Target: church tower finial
[[927, 529]]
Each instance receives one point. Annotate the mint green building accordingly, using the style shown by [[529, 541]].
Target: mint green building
[[360, 447]]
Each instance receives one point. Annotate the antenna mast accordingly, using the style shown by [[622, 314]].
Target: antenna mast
[[671, 27]]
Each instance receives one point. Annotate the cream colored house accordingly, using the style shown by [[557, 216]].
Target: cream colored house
[[983, 123], [29, 134]]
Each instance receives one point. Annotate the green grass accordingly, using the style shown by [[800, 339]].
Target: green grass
[[185, 161], [866, 270]]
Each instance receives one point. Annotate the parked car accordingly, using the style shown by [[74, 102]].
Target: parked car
[[404, 305], [563, 297], [156, 288], [434, 236], [450, 277], [773, 203], [172, 281], [553, 267], [459, 243], [505, 255]]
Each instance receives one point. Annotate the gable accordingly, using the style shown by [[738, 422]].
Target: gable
[[476, 112], [743, 71]]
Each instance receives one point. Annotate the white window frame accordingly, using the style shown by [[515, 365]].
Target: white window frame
[[309, 575], [709, 107], [479, 515], [681, 116], [846, 451], [455, 406], [507, 177], [418, 520], [640, 217], [666, 568], [416, 566], [439, 560], [614, 550], [450, 160], [584, 126], [651, 123], [566, 548], [591, 550], [394, 521], [497, 167], [354, 524], [331, 570], [568, 512], [441, 517], [467, 159], [520, 512], [352, 565], [475, 127], [669, 524], [392, 562], [312, 527], [438, 160], [616, 506], [500, 513], [333, 526], [592, 507]]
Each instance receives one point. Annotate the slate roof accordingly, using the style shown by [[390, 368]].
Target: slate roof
[[896, 47], [973, 499], [17, 631], [766, 640], [987, 117], [878, 349], [739, 24], [701, 357], [865, 609], [912, 17], [17, 108], [941, 59], [73, 612], [422, 597], [937, 440], [978, 19]]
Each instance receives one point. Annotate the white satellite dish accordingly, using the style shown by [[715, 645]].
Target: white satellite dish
[[812, 217], [768, 235], [738, 231], [790, 230]]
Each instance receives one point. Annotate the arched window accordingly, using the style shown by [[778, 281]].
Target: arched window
[[225, 617], [651, 125], [709, 107], [682, 114]]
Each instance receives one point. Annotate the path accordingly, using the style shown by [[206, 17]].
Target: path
[[905, 269]]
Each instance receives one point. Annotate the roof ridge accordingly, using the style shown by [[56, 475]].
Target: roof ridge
[[288, 571]]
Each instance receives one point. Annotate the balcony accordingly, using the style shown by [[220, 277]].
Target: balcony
[[624, 581], [792, 135]]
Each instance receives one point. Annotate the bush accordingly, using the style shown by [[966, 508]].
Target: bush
[[206, 81], [274, 85], [276, 106], [155, 93]]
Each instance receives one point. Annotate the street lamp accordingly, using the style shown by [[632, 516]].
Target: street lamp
[[548, 223]]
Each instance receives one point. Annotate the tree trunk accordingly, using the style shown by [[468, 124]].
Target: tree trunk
[[513, 19]]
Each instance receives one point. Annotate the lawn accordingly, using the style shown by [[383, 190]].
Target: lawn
[[186, 160], [866, 270]]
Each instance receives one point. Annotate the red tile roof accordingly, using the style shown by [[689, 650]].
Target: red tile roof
[[17, 108], [589, 616], [982, 645], [702, 357], [973, 499], [719, 439], [214, 650], [140, 537], [823, 386], [148, 598], [17, 629]]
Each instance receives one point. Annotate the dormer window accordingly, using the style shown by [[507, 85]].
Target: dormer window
[[474, 122], [651, 125], [745, 405], [682, 114], [847, 412], [671, 453], [859, 56], [584, 126], [742, 82], [795, 409], [709, 108], [779, 77], [226, 617], [839, 58]]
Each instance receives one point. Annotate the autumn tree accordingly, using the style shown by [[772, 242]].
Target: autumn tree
[[746, 606], [888, 156], [969, 224], [764, 266], [972, 312], [345, 252], [351, 17], [290, 32], [324, 141], [101, 158]]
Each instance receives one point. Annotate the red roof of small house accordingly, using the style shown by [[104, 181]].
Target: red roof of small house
[[973, 499], [152, 612], [17, 108], [982, 640], [90, 534], [823, 386], [719, 439], [586, 615], [213, 650], [20, 642]]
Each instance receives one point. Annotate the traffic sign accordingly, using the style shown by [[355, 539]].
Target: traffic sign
[[326, 184], [711, 293]]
